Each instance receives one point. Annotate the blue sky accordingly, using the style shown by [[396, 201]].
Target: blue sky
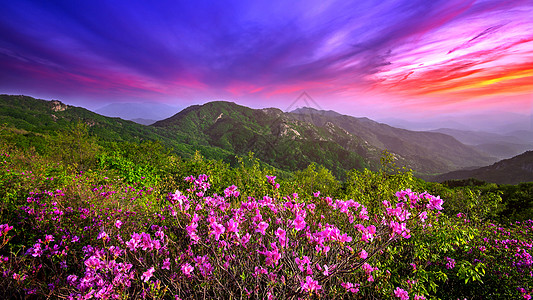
[[374, 58]]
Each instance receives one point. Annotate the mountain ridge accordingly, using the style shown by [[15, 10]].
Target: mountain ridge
[[134, 110], [425, 152], [286, 140], [514, 170], [401, 141]]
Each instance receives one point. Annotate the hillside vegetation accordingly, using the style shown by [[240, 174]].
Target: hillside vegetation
[[339, 142], [85, 216]]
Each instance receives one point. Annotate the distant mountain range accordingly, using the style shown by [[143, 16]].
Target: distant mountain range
[[142, 113], [501, 146], [285, 140], [144, 121], [496, 122], [509, 171]]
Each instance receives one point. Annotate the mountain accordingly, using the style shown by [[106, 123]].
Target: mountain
[[424, 125], [41, 116], [508, 171], [479, 137], [144, 121], [425, 152], [288, 141], [490, 121], [525, 135], [35, 117], [309, 110], [274, 136], [131, 111], [337, 141], [501, 146]]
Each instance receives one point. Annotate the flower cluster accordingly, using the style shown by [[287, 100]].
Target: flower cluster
[[199, 244]]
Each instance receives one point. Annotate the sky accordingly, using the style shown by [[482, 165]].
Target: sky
[[384, 59]]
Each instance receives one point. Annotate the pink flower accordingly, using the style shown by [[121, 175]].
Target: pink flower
[[103, 235], [258, 217], [435, 203], [245, 239], [17, 277], [48, 238], [187, 269], [350, 287], [298, 223], [302, 262], [310, 285], [148, 274], [282, 236], [311, 207], [326, 270], [166, 264], [191, 230], [345, 238], [271, 179], [71, 279], [399, 229], [401, 293], [363, 213], [367, 233], [261, 227], [146, 241], [93, 262], [231, 191], [134, 242], [368, 268], [4, 228], [272, 257], [218, 229], [450, 263], [260, 270], [232, 226]]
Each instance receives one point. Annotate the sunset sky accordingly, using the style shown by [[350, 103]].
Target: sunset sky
[[401, 58]]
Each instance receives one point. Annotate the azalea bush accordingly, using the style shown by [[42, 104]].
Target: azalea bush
[[199, 245], [287, 247], [244, 233]]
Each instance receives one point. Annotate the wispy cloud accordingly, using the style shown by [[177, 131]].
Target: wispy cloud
[[268, 49]]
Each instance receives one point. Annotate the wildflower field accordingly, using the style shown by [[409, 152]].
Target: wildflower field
[[132, 221]]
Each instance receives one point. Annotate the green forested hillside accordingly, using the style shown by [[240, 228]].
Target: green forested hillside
[[424, 152], [308, 135], [288, 141], [37, 116], [274, 138]]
